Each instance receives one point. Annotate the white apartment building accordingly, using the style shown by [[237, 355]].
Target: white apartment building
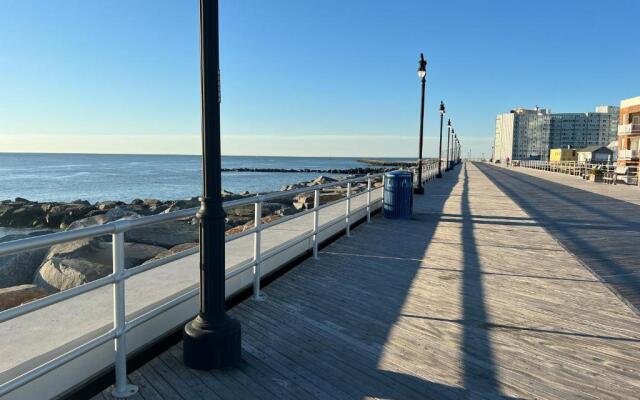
[[530, 134], [521, 134]]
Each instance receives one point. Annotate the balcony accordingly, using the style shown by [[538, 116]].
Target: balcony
[[628, 129], [627, 154]]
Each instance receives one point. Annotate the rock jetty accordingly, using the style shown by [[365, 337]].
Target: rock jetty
[[388, 163], [343, 171]]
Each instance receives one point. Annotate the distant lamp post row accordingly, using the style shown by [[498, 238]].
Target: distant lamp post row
[[453, 144]]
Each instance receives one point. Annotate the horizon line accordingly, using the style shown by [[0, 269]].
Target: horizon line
[[196, 155]]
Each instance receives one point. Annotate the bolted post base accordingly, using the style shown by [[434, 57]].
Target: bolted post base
[[418, 190], [207, 346], [122, 393]]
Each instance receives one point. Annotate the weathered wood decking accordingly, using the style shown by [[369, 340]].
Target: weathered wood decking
[[472, 298], [598, 223]]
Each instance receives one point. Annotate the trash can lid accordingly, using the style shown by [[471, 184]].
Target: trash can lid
[[398, 174]]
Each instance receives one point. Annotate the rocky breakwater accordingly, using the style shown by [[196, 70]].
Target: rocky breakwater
[[33, 274]]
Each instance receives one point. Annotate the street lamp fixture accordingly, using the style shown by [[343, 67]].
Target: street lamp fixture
[[442, 112], [422, 73], [212, 339]]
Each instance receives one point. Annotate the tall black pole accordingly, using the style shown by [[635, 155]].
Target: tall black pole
[[448, 141], [422, 71], [212, 339], [455, 150], [453, 135], [442, 111]]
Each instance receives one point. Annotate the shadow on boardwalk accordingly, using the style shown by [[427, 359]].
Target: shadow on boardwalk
[[601, 231], [346, 326], [343, 309]]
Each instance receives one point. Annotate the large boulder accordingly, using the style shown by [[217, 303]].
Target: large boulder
[[21, 214], [321, 180], [304, 201], [234, 221], [294, 186], [166, 234], [14, 296], [71, 264], [107, 205], [61, 274], [183, 204], [228, 196], [62, 215], [17, 269], [242, 211]]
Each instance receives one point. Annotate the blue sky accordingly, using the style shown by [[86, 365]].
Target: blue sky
[[301, 77]]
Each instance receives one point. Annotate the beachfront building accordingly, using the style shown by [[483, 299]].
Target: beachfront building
[[629, 132], [522, 134], [595, 154], [531, 133], [559, 155], [580, 130]]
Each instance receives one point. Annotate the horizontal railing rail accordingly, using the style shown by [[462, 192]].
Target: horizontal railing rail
[[609, 171], [119, 274]]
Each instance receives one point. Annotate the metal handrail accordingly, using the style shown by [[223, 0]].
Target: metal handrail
[[575, 168], [119, 275]]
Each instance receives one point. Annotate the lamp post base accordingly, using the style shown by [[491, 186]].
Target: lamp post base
[[439, 175], [206, 346], [418, 190]]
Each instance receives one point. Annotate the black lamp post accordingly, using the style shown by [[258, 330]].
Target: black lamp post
[[448, 167], [212, 339], [453, 148], [442, 112], [422, 73]]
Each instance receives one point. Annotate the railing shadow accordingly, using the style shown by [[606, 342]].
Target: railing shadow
[[353, 297], [602, 232]]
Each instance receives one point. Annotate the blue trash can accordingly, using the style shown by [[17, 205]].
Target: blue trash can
[[398, 194]]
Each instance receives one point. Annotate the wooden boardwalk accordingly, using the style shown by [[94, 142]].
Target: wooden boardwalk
[[598, 223], [472, 298]]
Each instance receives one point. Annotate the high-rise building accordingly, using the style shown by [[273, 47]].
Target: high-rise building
[[530, 134], [521, 134], [629, 132], [579, 130]]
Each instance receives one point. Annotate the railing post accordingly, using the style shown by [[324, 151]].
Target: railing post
[[316, 204], [368, 200], [384, 181], [122, 387], [257, 252], [348, 210]]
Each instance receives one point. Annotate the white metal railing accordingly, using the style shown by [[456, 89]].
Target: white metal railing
[[429, 170], [119, 274], [627, 154], [628, 129], [575, 168]]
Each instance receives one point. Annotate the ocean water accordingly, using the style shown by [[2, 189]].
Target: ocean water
[[98, 177]]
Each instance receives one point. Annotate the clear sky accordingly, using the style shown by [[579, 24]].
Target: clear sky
[[323, 78]]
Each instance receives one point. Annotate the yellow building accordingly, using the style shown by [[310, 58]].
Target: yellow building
[[557, 155]]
